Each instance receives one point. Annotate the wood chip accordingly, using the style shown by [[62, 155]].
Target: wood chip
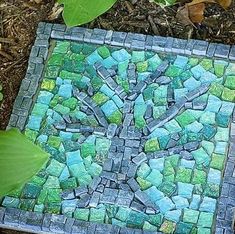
[[153, 25], [6, 55], [7, 40]]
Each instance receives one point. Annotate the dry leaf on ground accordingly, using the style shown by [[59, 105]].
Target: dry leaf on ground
[[183, 15], [195, 2], [225, 3], [193, 12], [196, 12]]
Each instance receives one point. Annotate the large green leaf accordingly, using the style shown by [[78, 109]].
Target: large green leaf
[[20, 159], [77, 12]]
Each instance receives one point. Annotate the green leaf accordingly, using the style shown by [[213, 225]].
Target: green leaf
[[20, 159], [77, 12]]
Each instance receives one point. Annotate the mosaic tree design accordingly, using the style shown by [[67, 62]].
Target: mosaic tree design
[[136, 138]]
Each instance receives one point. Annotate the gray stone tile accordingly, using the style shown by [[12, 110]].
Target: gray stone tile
[[41, 27], [211, 50], [158, 43], [232, 53], [189, 46], [59, 27], [149, 42], [118, 38], [169, 44], [222, 51], [12, 216], [200, 47], [179, 45], [2, 213]]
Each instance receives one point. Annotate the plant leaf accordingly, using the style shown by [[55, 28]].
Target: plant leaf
[[20, 159], [77, 12]]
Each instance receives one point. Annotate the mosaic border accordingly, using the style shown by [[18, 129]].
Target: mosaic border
[[46, 223]]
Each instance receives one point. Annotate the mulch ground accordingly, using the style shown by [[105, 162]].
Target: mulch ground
[[19, 20], [5, 231]]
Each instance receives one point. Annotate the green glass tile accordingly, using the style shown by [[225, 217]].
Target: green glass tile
[[56, 59], [167, 227], [27, 204], [136, 219], [31, 135], [96, 83], [199, 177], [212, 190], [54, 195], [103, 52], [190, 216], [88, 49], [97, 215], [230, 82], [185, 118], [168, 188], [52, 72], [219, 68], [183, 175], [31, 191], [79, 66], [77, 57], [193, 61], [10, 202], [54, 141], [87, 150], [100, 98], [217, 161], [116, 117], [173, 71], [151, 145], [207, 64], [144, 184], [184, 228], [62, 47], [205, 219], [53, 208], [76, 47], [228, 95], [216, 89], [48, 84], [81, 214], [142, 66]]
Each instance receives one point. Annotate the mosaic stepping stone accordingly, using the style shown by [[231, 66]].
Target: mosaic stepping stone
[[139, 137]]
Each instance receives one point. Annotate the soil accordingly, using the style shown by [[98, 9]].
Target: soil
[[19, 20]]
